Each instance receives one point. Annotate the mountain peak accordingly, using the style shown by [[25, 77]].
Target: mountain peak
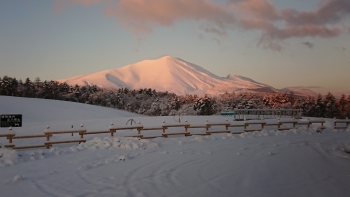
[[230, 76], [166, 57], [168, 74]]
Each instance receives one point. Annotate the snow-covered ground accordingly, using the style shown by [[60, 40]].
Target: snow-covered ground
[[298, 162]]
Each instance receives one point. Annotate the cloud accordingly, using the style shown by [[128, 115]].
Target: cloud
[[217, 41], [279, 25], [213, 30], [258, 9], [309, 44], [142, 16], [340, 48], [268, 43], [331, 12], [309, 87], [218, 18], [200, 36]]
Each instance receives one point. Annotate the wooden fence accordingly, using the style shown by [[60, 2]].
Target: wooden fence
[[345, 123], [210, 128]]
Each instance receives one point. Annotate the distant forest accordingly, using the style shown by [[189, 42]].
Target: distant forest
[[150, 102]]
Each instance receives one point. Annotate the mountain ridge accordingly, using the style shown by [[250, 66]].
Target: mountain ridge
[[170, 74]]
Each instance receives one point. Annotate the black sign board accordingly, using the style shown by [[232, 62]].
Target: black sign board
[[11, 120]]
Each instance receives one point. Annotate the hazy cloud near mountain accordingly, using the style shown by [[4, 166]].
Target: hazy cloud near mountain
[[309, 44], [309, 87], [343, 49], [217, 19]]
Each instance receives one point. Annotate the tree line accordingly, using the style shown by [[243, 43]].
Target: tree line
[[154, 103]]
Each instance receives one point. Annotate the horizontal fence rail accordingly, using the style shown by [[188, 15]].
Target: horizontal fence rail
[[208, 128]]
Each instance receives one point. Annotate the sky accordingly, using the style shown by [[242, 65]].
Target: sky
[[278, 42]]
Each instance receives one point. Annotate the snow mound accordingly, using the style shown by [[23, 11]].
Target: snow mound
[[116, 143], [17, 178], [10, 157]]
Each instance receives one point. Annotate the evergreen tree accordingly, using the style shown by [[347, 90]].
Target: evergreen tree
[[348, 107], [309, 107], [205, 105], [155, 108], [20, 89], [298, 103], [320, 109], [54, 88], [46, 90], [149, 101], [341, 107], [37, 87], [330, 106], [6, 86], [28, 88], [175, 103], [291, 98]]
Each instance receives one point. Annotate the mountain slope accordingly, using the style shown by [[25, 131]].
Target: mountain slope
[[300, 91], [169, 74]]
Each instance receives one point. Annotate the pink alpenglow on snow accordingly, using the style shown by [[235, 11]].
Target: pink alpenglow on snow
[[172, 75], [297, 162]]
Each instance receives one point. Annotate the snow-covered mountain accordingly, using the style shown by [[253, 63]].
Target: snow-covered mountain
[[172, 75], [300, 91]]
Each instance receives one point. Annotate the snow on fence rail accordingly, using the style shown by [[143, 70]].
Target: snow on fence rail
[[246, 125], [345, 122]]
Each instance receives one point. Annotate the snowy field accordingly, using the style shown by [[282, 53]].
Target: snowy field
[[298, 162]]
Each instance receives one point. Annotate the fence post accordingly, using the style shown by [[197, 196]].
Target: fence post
[[10, 135], [47, 135], [110, 128], [81, 134], [245, 125], [207, 127], [163, 126]]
